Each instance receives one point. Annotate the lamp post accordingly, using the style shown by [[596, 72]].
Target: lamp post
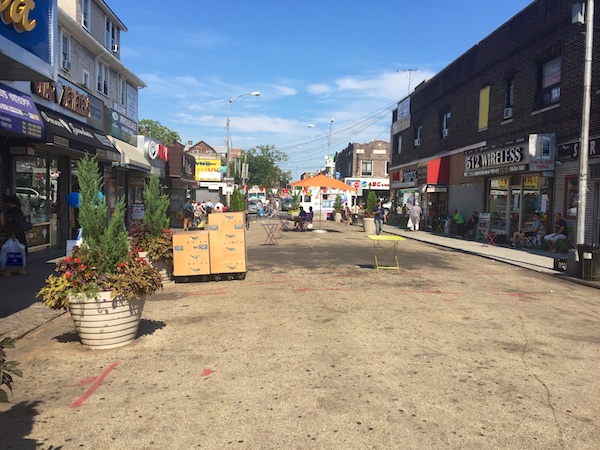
[[231, 100], [327, 135]]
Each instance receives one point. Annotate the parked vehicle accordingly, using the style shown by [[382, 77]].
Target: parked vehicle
[[253, 206], [286, 204]]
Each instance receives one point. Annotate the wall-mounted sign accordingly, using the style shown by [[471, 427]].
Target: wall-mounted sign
[[65, 94], [18, 114], [571, 151], [122, 127], [496, 161]]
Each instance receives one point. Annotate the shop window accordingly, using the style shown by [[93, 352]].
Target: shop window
[[549, 85], [571, 196]]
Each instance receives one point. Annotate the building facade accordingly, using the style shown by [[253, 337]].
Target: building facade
[[85, 101], [365, 167], [498, 129]]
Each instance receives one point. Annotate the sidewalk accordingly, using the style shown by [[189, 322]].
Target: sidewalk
[[532, 259]]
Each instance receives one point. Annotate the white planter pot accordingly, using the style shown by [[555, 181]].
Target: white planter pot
[[369, 225], [103, 323], [337, 217], [165, 268]]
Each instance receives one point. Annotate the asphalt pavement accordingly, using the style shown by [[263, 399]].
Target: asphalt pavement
[[465, 346]]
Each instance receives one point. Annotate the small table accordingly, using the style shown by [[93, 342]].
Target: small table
[[270, 228], [388, 252]]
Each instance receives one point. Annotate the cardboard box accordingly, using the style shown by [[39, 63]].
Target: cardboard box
[[191, 253]]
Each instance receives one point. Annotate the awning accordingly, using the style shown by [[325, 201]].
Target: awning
[[18, 114], [131, 157], [64, 131]]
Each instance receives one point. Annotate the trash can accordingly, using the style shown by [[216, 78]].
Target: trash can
[[589, 261]]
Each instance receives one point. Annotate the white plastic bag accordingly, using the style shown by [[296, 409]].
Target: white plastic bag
[[12, 255], [409, 224]]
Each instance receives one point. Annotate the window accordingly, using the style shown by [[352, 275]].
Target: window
[[446, 124], [122, 94], [397, 144], [484, 108], [65, 50], [86, 10], [86, 78], [367, 168], [571, 196], [102, 74], [549, 83], [110, 35], [509, 99], [418, 134], [387, 168]]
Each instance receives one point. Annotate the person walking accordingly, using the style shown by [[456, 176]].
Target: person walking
[[415, 216], [379, 216], [12, 219], [188, 214], [348, 213]]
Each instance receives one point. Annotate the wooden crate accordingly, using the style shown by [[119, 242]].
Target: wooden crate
[[191, 253], [226, 218], [227, 246]]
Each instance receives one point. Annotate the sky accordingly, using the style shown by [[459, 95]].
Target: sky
[[312, 61]]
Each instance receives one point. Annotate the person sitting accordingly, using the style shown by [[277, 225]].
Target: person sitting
[[560, 232], [458, 223], [471, 225], [309, 217], [301, 219], [531, 231]]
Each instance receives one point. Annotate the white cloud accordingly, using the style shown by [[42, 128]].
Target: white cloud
[[284, 90], [317, 89]]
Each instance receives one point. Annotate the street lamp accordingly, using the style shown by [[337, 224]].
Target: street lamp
[[231, 100], [327, 135]]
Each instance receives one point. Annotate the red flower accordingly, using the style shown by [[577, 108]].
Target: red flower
[[76, 260], [68, 259], [67, 274], [82, 267], [122, 264]]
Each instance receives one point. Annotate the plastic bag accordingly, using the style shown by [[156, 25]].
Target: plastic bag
[[12, 255], [409, 224]]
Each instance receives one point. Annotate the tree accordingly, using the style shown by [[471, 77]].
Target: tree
[[154, 129], [262, 166], [156, 206], [237, 202]]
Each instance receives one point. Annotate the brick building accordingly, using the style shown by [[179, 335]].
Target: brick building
[[365, 167], [497, 130]]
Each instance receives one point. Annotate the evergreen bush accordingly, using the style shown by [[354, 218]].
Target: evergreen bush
[[236, 202], [155, 207]]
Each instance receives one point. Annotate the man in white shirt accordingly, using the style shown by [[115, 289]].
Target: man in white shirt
[[219, 207]]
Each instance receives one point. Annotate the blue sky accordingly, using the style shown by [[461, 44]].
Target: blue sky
[[312, 61]]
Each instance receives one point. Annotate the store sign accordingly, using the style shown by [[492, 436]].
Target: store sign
[[572, 150], [18, 13], [18, 114], [208, 170], [122, 127], [489, 162], [67, 96], [156, 150], [188, 166]]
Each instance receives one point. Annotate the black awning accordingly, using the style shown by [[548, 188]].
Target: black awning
[[64, 131]]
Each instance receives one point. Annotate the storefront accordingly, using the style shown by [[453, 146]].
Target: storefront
[[519, 176], [381, 187], [181, 169], [407, 184]]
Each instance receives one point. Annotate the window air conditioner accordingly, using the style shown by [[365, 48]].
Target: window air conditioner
[[66, 65], [445, 132], [115, 48], [417, 142], [507, 114]]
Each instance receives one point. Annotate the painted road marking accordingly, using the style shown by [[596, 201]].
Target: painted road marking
[[95, 386]]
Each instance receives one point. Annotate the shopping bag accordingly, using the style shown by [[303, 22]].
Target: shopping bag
[[12, 254], [409, 224]]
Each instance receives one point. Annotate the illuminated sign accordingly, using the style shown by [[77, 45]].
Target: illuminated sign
[[16, 12], [63, 94]]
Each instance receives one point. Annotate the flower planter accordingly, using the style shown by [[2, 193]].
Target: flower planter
[[337, 217], [164, 267], [369, 225], [103, 323]]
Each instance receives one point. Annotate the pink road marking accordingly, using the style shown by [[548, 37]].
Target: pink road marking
[[428, 292], [343, 298], [324, 289], [206, 372], [95, 386], [85, 381]]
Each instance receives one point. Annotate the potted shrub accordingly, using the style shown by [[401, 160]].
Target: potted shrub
[[295, 206], [152, 236], [8, 369], [337, 208], [368, 220], [102, 284]]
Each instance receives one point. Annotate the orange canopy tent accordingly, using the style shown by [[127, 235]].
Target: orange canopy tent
[[323, 182]]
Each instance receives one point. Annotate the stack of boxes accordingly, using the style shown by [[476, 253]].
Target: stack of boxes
[[220, 250]]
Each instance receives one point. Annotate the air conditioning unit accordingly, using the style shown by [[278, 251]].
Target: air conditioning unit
[[66, 65], [417, 142], [445, 132], [115, 48], [507, 114]]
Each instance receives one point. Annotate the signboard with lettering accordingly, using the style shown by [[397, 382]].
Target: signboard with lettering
[[208, 170], [65, 94], [18, 114], [571, 150], [122, 127], [496, 161]]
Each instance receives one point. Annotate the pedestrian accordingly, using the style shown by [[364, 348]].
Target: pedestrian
[[188, 214], [13, 219], [379, 216], [560, 232], [415, 216], [219, 207], [209, 206], [348, 213]]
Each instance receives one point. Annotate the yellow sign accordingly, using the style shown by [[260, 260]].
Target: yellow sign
[[499, 183], [531, 182], [16, 12], [208, 170]]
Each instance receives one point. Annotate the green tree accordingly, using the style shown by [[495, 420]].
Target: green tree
[[156, 130], [371, 203], [237, 202], [262, 166], [155, 207]]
